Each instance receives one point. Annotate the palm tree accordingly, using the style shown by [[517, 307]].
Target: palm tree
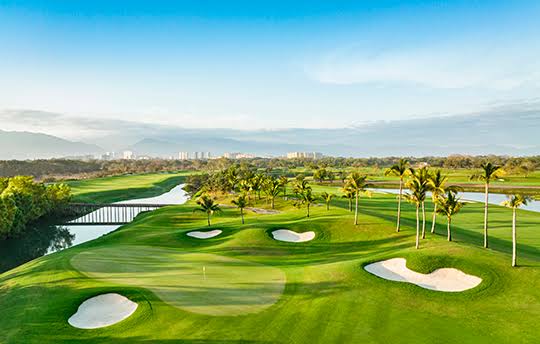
[[489, 172], [449, 205], [246, 187], [348, 194], [514, 202], [417, 196], [208, 206], [327, 198], [308, 199], [356, 183], [241, 202], [436, 184], [283, 181], [401, 169], [421, 175], [301, 186], [232, 177], [271, 187], [257, 183]]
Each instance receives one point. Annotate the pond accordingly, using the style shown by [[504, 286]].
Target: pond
[[494, 198], [43, 239]]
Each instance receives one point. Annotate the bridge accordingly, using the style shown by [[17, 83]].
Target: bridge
[[106, 213]]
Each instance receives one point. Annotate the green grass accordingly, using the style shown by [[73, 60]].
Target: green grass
[[121, 188], [327, 297]]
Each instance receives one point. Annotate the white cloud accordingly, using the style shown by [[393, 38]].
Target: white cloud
[[448, 67]]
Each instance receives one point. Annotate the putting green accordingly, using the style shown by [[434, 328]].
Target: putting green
[[196, 282]]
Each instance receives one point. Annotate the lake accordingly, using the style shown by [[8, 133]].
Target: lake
[[496, 199]]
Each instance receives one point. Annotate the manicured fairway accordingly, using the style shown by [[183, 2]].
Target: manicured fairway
[[120, 188], [196, 282], [327, 296]]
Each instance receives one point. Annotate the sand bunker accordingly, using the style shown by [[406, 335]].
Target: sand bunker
[[290, 236], [447, 279], [204, 235], [102, 310], [263, 211]]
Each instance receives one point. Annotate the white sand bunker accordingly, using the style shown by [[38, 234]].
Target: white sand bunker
[[447, 279], [102, 310], [204, 235], [290, 236]]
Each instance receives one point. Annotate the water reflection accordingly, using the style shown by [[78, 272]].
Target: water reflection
[[36, 242], [43, 239]]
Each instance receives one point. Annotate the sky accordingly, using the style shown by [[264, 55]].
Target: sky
[[266, 64]]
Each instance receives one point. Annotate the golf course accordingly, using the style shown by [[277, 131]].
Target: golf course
[[265, 282]]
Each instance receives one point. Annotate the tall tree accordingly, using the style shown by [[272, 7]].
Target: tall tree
[[257, 183], [327, 198], [357, 183], [514, 202], [246, 187], [401, 169], [241, 203], [422, 175], [271, 188], [208, 206], [416, 196], [437, 186], [283, 181], [301, 186], [449, 205], [489, 173], [308, 199], [349, 195]]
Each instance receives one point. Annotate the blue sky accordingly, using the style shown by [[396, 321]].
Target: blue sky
[[267, 64]]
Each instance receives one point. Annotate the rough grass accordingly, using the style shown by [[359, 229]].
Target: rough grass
[[328, 297]]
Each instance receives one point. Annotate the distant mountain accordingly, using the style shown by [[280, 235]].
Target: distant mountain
[[511, 130], [21, 145], [512, 133]]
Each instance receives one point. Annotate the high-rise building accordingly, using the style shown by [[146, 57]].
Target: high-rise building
[[183, 155], [306, 155], [128, 155]]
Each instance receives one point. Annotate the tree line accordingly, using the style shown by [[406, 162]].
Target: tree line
[[24, 201], [61, 169]]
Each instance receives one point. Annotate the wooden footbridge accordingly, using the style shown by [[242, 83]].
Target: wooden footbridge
[[106, 213]]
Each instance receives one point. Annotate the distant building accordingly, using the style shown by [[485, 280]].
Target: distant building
[[183, 155], [238, 155], [108, 156], [306, 155], [128, 155]]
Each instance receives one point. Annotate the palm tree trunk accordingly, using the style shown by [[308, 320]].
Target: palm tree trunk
[[327, 205], [284, 192], [350, 204], [208, 219], [486, 217], [448, 229], [399, 204], [242, 214], [434, 217], [423, 221], [417, 226], [273, 201], [356, 210], [514, 237], [308, 210]]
